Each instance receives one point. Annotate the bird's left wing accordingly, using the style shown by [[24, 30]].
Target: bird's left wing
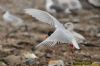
[[44, 17]]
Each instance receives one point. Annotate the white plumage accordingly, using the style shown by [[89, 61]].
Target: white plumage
[[72, 4], [48, 4], [65, 6], [78, 36], [12, 19], [60, 34]]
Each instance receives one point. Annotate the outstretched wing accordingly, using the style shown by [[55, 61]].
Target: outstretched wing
[[57, 36], [44, 17]]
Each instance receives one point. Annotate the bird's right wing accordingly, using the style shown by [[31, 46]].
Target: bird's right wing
[[43, 16], [57, 37]]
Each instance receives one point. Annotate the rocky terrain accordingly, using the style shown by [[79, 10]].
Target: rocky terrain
[[14, 46]]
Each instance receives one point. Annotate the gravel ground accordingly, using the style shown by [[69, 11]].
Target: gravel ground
[[18, 43]]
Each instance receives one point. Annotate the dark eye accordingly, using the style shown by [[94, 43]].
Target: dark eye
[[50, 32]]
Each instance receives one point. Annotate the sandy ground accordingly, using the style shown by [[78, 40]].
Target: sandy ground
[[16, 44]]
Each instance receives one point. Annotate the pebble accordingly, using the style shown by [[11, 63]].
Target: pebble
[[2, 63], [12, 59], [29, 58], [30, 55], [56, 63], [98, 35], [48, 55]]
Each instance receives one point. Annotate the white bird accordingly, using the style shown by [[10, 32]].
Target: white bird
[[60, 34], [48, 4], [53, 6], [79, 37], [95, 2], [12, 19], [65, 6], [72, 4]]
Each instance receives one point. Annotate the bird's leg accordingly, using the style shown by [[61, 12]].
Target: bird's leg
[[72, 50]]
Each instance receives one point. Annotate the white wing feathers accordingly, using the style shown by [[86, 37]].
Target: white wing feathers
[[75, 44], [44, 17], [57, 36], [40, 15]]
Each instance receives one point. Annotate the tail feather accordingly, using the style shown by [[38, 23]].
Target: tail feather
[[75, 44]]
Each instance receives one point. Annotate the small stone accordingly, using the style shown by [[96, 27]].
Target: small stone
[[2, 63], [56, 63], [63, 49], [30, 55], [12, 59], [76, 20], [39, 53], [95, 56], [30, 62], [48, 55], [29, 58], [98, 35]]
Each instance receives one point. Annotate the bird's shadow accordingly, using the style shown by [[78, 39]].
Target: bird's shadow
[[90, 45]]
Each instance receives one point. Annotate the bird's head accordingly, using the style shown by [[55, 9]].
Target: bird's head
[[69, 26]]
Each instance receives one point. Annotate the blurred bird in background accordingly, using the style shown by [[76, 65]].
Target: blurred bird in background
[[12, 20], [63, 6]]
